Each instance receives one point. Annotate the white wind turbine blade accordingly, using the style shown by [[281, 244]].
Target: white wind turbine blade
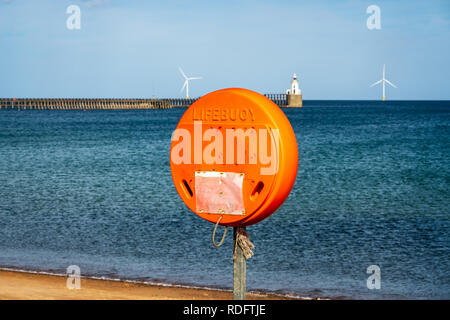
[[194, 78], [184, 85], [181, 70], [384, 71], [390, 83], [379, 81]]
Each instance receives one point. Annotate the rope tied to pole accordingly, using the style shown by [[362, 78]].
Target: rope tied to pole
[[214, 234], [243, 241]]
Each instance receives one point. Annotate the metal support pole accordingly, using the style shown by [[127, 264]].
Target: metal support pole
[[239, 269]]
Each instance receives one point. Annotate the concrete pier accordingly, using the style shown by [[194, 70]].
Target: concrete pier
[[278, 98], [82, 104], [181, 102], [109, 104], [294, 101]]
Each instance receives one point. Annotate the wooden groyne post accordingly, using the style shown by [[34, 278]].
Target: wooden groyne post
[[239, 268]]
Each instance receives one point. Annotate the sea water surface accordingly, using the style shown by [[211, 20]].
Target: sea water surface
[[94, 189]]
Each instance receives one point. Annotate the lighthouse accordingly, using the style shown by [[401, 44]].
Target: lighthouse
[[294, 94]]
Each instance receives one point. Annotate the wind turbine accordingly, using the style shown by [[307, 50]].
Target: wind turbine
[[186, 82], [383, 81]]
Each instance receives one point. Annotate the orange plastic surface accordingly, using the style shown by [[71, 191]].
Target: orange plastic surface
[[265, 185]]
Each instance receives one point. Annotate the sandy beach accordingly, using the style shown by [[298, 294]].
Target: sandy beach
[[30, 286]]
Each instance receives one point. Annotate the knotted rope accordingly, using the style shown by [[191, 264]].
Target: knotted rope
[[243, 241]]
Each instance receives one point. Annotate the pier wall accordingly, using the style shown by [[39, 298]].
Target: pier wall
[[180, 102], [107, 104], [83, 104], [278, 98], [294, 101]]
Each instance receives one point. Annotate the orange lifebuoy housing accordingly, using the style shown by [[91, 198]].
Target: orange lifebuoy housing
[[234, 155]]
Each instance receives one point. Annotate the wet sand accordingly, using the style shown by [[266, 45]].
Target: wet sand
[[30, 286]]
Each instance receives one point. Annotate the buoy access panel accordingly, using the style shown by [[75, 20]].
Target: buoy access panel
[[234, 157]]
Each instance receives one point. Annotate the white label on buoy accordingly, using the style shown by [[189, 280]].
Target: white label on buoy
[[219, 192]]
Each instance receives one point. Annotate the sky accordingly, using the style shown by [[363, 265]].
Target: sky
[[133, 48]]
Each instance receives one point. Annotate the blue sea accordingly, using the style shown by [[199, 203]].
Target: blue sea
[[94, 189]]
